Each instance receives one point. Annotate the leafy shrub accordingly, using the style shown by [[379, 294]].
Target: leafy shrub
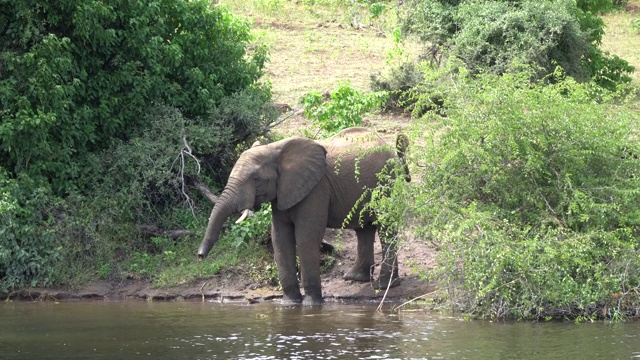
[[27, 255], [77, 75], [530, 193], [239, 117], [376, 9], [344, 109], [97, 100], [171, 262], [256, 227], [492, 35], [402, 74], [397, 82]]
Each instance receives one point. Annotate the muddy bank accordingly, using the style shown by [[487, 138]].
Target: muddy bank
[[223, 289], [234, 287]]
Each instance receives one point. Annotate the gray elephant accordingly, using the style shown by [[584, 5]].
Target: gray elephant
[[312, 185]]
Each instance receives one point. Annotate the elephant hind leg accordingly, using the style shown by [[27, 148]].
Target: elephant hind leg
[[361, 270]]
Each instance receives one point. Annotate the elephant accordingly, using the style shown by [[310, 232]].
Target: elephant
[[313, 185]]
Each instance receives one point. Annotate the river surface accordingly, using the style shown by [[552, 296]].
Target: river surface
[[195, 330]]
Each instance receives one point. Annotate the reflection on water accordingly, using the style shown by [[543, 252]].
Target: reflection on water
[[186, 330]]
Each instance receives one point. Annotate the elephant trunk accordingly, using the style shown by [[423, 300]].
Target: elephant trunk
[[221, 210]]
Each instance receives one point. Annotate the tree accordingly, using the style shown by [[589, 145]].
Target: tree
[[528, 189], [492, 35], [76, 74], [96, 99]]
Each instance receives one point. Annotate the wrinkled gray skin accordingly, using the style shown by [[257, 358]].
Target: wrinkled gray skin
[[311, 185]]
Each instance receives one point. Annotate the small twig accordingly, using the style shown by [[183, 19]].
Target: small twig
[[181, 157], [8, 299], [272, 125], [202, 287], [388, 284], [396, 308]]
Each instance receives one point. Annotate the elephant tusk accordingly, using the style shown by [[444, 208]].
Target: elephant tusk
[[245, 214]]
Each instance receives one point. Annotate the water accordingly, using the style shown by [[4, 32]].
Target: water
[[193, 330]]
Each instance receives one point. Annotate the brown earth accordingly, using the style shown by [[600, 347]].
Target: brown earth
[[235, 287]]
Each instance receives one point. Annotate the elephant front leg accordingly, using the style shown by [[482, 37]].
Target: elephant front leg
[[361, 270], [309, 253], [284, 248]]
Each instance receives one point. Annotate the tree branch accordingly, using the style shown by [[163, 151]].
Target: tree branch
[[268, 127], [204, 190], [181, 157], [171, 234]]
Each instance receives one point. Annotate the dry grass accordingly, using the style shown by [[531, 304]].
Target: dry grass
[[315, 48], [622, 39], [319, 57]]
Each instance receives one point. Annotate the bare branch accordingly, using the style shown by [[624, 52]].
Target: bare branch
[[181, 157], [398, 307], [386, 291], [202, 287], [204, 190], [171, 234], [280, 120]]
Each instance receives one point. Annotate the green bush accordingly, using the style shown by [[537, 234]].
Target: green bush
[[97, 101], [397, 82], [530, 194], [77, 74], [28, 252], [343, 109], [171, 262], [258, 227], [490, 36]]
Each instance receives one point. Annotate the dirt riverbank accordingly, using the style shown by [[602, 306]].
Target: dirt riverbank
[[234, 286]]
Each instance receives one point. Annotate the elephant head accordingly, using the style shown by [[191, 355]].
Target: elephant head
[[283, 172]]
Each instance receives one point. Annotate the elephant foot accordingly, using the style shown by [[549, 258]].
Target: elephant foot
[[312, 301], [312, 295], [286, 300], [382, 283], [358, 274], [291, 295]]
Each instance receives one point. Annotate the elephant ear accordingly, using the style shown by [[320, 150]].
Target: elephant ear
[[302, 163]]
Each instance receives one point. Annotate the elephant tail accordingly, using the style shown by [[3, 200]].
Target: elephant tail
[[402, 143]]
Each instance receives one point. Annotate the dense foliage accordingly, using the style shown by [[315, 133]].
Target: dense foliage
[[99, 104], [77, 74], [492, 35], [27, 252], [341, 109], [530, 194]]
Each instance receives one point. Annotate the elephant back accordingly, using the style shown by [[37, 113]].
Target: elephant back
[[357, 142], [354, 157]]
